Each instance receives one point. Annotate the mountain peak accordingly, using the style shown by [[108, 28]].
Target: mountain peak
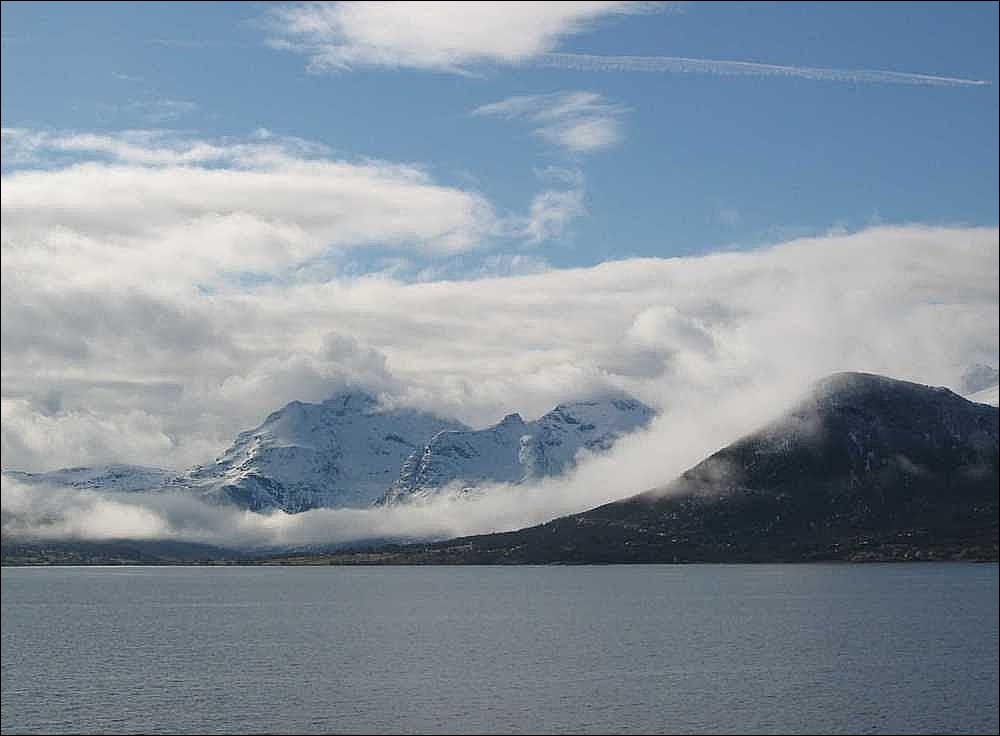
[[858, 428], [353, 399], [611, 397], [850, 386], [342, 452]]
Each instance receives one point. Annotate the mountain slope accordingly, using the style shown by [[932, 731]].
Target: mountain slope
[[515, 451], [343, 452], [864, 467], [115, 477]]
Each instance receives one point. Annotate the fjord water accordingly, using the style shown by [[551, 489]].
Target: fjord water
[[689, 649]]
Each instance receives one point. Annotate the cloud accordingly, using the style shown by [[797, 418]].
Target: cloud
[[551, 212], [158, 111], [190, 43], [110, 355], [579, 122], [32, 435], [157, 148], [98, 371], [683, 65], [58, 513], [443, 36], [146, 206], [454, 36]]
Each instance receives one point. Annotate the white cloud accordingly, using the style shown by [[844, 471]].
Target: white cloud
[[725, 67], [114, 358], [551, 213], [130, 372], [453, 36], [191, 212], [579, 122], [447, 36], [55, 513], [34, 436], [125, 337]]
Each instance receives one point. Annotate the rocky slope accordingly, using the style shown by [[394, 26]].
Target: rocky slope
[[115, 478]]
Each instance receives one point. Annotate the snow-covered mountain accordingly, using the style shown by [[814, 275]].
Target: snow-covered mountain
[[979, 377], [514, 451], [115, 477], [989, 396], [349, 452], [979, 384], [343, 452]]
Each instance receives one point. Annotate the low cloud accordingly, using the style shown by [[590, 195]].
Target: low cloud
[[720, 344], [102, 366], [166, 293]]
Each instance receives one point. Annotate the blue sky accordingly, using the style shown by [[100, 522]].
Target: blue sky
[[703, 161]]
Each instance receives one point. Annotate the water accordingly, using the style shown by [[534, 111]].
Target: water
[[784, 648]]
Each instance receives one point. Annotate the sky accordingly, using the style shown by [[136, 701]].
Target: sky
[[211, 209], [675, 163]]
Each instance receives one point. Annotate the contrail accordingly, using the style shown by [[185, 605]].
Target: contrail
[[682, 65]]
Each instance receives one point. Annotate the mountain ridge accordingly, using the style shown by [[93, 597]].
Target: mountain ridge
[[517, 451], [349, 451]]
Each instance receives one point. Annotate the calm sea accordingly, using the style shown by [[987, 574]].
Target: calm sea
[[689, 649]]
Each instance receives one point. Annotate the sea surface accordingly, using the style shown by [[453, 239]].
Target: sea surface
[[687, 649]]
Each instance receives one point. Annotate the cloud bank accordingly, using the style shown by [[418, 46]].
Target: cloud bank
[[161, 294], [110, 355]]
